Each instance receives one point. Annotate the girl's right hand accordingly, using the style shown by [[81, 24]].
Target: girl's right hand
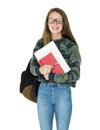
[[46, 69]]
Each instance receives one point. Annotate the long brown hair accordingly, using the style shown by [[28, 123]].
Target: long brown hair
[[66, 31]]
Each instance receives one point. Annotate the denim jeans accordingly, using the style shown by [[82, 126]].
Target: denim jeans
[[54, 99]]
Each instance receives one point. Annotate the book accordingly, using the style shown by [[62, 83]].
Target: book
[[49, 59], [50, 55]]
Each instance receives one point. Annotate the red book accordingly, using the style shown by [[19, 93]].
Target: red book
[[49, 59]]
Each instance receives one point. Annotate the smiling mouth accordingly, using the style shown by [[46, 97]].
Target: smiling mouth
[[55, 28]]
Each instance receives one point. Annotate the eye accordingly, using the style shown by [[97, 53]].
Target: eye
[[59, 20], [50, 20]]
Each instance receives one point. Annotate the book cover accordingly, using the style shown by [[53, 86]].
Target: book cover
[[49, 59]]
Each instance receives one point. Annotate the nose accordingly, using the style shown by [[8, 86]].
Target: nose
[[55, 21]]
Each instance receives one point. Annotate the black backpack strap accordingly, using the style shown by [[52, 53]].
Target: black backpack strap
[[26, 78]]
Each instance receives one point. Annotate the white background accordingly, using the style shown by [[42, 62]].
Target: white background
[[21, 25]]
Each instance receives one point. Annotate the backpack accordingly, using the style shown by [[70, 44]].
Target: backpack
[[29, 85]]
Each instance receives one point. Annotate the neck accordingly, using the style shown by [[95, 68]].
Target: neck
[[56, 36]]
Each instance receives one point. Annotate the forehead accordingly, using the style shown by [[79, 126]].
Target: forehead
[[55, 15]]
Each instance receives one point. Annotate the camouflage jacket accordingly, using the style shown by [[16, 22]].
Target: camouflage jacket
[[70, 53]]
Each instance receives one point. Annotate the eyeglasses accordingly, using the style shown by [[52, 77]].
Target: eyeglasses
[[58, 20]]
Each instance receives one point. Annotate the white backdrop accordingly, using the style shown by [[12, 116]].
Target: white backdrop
[[21, 25]]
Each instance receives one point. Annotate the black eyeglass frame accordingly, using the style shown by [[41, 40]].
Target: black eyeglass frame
[[57, 20]]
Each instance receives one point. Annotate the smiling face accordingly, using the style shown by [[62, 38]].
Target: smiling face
[[55, 24]]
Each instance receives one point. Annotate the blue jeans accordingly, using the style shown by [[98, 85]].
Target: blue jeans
[[54, 99]]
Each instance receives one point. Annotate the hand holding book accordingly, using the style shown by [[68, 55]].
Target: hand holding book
[[45, 69]]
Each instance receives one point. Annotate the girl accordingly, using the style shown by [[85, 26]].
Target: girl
[[54, 95]]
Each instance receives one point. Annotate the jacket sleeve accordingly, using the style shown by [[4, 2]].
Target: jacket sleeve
[[34, 66], [74, 74]]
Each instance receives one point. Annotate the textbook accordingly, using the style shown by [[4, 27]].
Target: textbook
[[50, 55]]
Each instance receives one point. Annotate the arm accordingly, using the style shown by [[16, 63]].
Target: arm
[[74, 74], [35, 68]]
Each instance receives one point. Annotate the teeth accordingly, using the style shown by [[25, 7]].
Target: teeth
[[55, 28]]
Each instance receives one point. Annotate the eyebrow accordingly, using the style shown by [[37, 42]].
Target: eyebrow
[[55, 18]]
